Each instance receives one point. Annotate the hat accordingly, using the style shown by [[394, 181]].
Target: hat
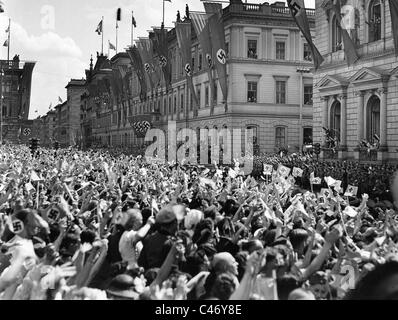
[[166, 215], [123, 286], [301, 294]]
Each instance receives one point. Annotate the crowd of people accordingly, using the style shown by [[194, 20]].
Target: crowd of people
[[96, 225]]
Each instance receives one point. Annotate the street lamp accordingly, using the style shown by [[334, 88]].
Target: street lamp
[[301, 70]]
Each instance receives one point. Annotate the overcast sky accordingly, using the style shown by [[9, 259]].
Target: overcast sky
[[60, 36]]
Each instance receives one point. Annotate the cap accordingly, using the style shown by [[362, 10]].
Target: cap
[[166, 215], [123, 286]]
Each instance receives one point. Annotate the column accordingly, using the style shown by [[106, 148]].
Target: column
[[383, 118], [360, 115], [343, 133]]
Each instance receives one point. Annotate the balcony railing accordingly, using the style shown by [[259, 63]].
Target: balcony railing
[[262, 9]]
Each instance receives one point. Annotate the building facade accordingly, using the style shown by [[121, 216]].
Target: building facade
[[357, 102], [16, 80], [269, 86]]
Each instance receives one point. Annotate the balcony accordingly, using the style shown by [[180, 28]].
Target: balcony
[[263, 9]]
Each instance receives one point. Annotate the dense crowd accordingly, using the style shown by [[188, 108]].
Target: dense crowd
[[96, 225]]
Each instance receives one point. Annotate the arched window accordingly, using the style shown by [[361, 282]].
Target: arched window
[[335, 118], [373, 119], [336, 35], [374, 20]]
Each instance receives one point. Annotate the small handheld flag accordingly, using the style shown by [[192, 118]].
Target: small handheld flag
[[1, 6], [5, 43], [59, 99]]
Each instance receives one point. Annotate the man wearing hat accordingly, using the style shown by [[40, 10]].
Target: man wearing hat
[[157, 246]]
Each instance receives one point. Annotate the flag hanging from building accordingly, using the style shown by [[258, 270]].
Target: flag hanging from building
[[217, 36], [160, 45], [201, 26], [5, 43], [394, 22], [299, 14], [136, 62], [134, 23], [99, 28], [184, 39], [144, 50], [111, 46], [349, 46]]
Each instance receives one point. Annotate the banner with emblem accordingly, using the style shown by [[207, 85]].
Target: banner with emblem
[[184, 38], [160, 46], [141, 124], [138, 66], [201, 26], [299, 14], [351, 191], [217, 36], [145, 48]]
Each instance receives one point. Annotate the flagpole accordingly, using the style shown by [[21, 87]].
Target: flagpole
[[132, 28], [9, 39], [102, 46], [163, 15], [109, 45], [117, 28]]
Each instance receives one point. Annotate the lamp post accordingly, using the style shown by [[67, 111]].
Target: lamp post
[[301, 71]]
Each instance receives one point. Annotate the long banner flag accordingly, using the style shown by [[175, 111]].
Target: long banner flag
[[160, 46], [299, 14], [394, 22], [139, 69], [349, 46], [217, 36], [201, 26], [145, 61], [184, 38], [145, 47]]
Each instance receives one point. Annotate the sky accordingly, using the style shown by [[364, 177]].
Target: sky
[[60, 36]]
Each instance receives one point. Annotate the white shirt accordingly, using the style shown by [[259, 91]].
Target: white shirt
[[128, 250]]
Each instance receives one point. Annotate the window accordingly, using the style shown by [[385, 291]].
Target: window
[[200, 61], [374, 21], [207, 94], [280, 50], [164, 106], [335, 118], [251, 91], [336, 35], [175, 104], [307, 52], [373, 119], [215, 93], [227, 48], [307, 134], [182, 102], [170, 111], [280, 137], [281, 92], [252, 49], [308, 94], [255, 132], [198, 95]]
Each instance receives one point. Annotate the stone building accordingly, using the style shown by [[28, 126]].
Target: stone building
[[357, 102]]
